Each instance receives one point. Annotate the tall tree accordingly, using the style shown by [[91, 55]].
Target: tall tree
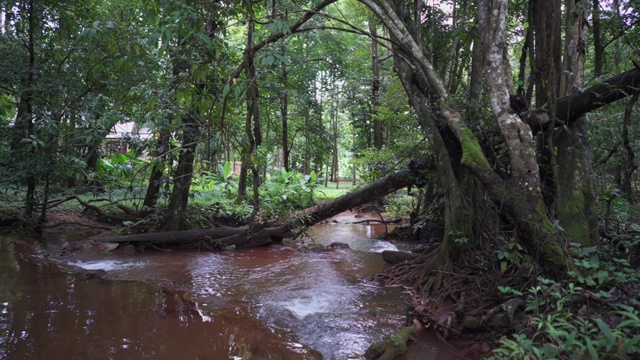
[[460, 160]]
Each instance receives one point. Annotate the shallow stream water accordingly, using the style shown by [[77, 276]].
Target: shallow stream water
[[263, 303]]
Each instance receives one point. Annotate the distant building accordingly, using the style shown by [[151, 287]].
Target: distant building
[[123, 134]]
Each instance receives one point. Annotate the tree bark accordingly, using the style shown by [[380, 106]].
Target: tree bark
[[284, 109], [177, 208], [24, 118], [576, 206], [536, 232], [598, 48], [477, 66], [153, 189], [630, 164], [375, 86]]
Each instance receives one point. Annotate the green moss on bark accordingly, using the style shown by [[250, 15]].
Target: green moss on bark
[[391, 347], [539, 235], [471, 151], [575, 222]]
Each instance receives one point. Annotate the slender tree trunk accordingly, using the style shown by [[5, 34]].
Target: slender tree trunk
[[335, 174], [576, 200], [24, 117], [375, 86], [598, 49], [183, 175], [155, 179], [307, 153], [631, 164], [477, 66], [284, 109], [252, 124]]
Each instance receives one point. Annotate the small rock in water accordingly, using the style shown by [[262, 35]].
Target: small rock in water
[[419, 248], [337, 245], [128, 249]]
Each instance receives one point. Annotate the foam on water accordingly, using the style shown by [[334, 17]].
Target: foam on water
[[302, 307], [106, 265], [379, 246]]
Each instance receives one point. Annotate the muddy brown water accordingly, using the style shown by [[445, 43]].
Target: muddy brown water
[[263, 303]]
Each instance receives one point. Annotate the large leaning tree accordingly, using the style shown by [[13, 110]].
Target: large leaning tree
[[542, 188]]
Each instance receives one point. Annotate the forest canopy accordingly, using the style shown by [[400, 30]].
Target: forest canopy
[[511, 122]]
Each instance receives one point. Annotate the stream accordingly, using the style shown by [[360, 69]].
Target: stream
[[263, 303]]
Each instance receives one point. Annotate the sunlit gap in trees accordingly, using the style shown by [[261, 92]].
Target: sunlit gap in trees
[[445, 6]]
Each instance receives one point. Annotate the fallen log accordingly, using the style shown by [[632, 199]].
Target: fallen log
[[216, 238], [175, 236], [397, 257], [388, 184], [395, 181]]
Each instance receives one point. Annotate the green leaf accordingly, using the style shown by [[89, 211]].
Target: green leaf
[[592, 350], [606, 331], [282, 59], [225, 90], [603, 276], [268, 60]]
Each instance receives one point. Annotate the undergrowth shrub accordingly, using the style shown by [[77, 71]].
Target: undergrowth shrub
[[590, 317], [286, 191]]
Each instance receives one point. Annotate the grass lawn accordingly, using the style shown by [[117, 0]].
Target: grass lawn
[[331, 192]]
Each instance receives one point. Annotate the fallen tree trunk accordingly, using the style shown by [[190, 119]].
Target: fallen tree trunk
[[243, 237], [396, 257], [218, 237], [386, 185]]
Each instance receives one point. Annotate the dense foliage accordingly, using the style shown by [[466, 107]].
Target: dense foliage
[[247, 110]]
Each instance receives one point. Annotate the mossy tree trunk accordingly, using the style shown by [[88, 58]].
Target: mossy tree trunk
[[576, 202], [520, 193], [572, 198], [457, 213]]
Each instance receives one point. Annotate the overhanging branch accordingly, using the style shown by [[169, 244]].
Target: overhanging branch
[[571, 107]]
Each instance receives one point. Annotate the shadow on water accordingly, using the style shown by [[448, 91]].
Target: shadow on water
[[263, 303]]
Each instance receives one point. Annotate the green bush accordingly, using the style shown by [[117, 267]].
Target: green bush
[[286, 191]]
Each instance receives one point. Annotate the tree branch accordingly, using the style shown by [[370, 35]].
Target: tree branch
[[571, 107]]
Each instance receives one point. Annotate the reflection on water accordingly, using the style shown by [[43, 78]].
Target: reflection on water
[[53, 316], [263, 303]]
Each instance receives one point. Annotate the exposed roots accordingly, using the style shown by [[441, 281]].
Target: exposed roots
[[455, 296]]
